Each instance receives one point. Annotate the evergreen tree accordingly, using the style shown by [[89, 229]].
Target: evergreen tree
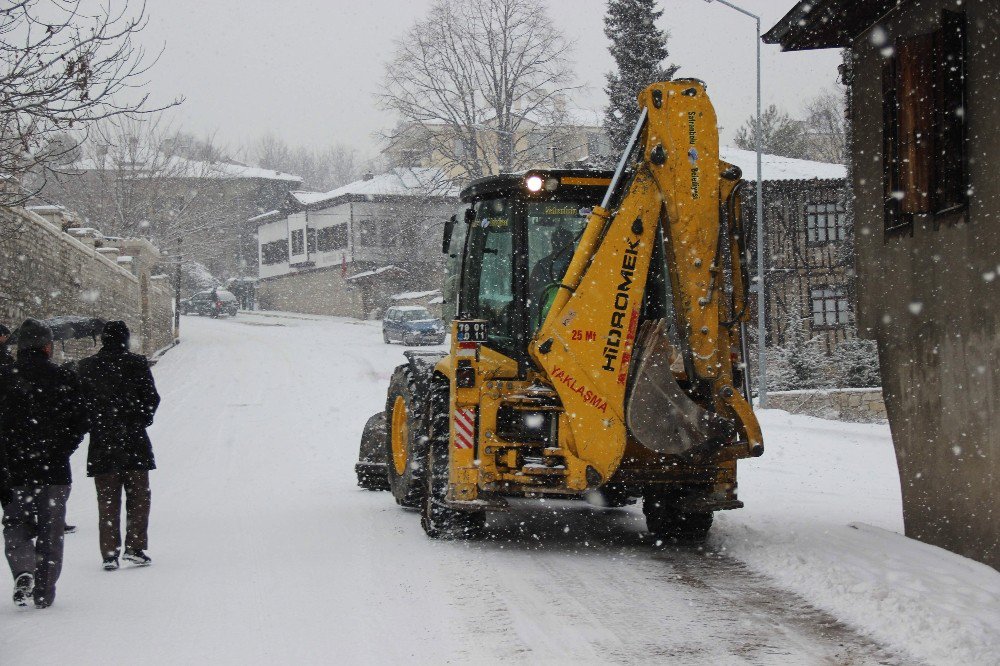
[[855, 362], [639, 49]]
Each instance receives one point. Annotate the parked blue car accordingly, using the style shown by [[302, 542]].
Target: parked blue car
[[412, 325]]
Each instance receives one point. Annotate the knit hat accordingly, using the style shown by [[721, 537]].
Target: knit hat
[[33, 334], [115, 334]]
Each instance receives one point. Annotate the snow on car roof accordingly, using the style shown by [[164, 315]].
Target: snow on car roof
[[408, 308], [410, 295]]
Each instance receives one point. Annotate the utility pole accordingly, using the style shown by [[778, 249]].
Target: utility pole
[[177, 292], [761, 291]]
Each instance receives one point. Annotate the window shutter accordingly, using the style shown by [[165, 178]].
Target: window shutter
[[950, 190], [915, 93], [894, 218]]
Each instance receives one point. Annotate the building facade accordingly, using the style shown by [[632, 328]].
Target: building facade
[[204, 205], [808, 275], [348, 251], [924, 151]]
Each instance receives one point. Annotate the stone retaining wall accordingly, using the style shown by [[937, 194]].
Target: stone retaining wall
[[45, 272], [860, 405]]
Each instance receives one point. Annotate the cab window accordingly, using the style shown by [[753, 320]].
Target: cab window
[[488, 293], [554, 229]]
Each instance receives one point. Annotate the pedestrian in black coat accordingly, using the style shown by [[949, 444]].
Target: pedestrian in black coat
[[121, 400], [42, 422], [5, 360]]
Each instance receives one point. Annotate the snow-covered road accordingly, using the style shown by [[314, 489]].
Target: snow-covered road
[[265, 551]]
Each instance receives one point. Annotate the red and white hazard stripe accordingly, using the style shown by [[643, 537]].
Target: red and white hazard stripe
[[465, 428]]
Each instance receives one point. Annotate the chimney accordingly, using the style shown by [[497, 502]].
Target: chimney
[[368, 176]]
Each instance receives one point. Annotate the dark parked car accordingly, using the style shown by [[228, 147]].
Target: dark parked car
[[212, 303], [412, 325]]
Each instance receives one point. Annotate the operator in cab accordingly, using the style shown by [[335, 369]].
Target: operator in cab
[[549, 271]]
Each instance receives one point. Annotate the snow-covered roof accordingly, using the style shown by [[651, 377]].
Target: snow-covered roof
[[376, 271], [776, 167], [175, 166], [401, 181], [306, 197]]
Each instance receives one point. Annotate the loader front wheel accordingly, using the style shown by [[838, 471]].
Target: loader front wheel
[[438, 520], [406, 437], [665, 521]]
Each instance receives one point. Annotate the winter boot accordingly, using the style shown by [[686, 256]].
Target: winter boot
[[110, 563], [24, 587], [136, 556], [69, 529]]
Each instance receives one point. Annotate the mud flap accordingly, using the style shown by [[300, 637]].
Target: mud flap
[[658, 412]]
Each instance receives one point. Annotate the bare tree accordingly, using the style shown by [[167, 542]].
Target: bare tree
[[481, 85], [64, 65], [321, 169], [826, 127], [780, 134], [822, 136], [134, 180]]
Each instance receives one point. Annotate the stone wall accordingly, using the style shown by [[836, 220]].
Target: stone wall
[[319, 292], [45, 272], [859, 405]]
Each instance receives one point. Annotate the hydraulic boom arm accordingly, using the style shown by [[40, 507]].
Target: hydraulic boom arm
[[670, 395]]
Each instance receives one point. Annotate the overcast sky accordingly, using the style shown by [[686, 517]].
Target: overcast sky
[[307, 70]]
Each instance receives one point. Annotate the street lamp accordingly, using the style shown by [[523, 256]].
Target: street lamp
[[762, 377]]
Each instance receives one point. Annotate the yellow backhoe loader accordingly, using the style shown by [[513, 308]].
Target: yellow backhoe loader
[[598, 346]]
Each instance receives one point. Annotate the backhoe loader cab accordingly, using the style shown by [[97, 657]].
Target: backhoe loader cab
[[597, 349]]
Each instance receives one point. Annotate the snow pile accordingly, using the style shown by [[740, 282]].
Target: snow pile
[[824, 520]]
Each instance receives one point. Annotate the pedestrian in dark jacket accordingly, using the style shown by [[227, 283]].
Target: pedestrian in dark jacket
[[42, 422], [5, 360], [121, 400]]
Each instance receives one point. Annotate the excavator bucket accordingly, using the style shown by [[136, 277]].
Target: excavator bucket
[[658, 412]]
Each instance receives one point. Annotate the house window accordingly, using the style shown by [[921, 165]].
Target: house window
[[298, 244], [825, 222], [275, 252], [924, 120], [459, 147], [829, 307], [331, 238]]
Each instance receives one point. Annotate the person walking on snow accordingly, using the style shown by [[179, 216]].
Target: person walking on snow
[[121, 399], [5, 360], [42, 422]]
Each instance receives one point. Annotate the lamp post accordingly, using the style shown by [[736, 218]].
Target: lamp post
[[762, 374]]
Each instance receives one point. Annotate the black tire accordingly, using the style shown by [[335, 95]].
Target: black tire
[[439, 521], [385, 338], [406, 340], [406, 485], [665, 521]]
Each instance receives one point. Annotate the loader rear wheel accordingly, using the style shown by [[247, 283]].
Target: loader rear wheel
[[666, 521], [438, 520], [406, 438]]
